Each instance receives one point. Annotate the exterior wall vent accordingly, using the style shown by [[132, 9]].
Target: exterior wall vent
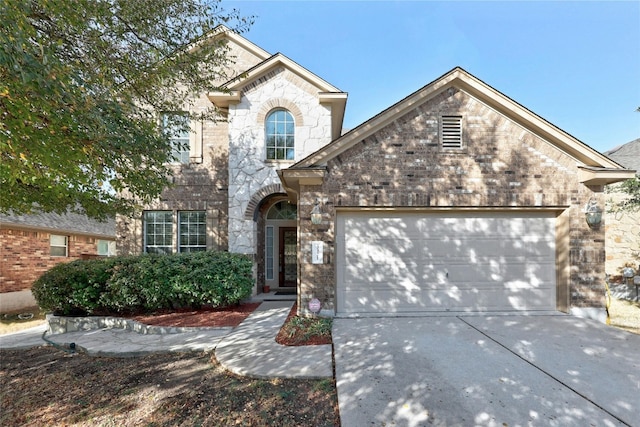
[[451, 132]]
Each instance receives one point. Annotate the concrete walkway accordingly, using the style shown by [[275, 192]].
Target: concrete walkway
[[250, 349]]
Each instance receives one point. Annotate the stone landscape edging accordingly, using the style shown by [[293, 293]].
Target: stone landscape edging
[[64, 324]]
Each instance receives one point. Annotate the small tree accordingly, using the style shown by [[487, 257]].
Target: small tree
[[81, 85]]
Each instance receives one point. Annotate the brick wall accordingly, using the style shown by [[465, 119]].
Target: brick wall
[[502, 165], [25, 256]]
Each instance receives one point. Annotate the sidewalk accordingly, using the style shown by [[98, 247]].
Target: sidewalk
[[249, 349]]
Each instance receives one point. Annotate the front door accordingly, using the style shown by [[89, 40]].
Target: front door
[[288, 256]]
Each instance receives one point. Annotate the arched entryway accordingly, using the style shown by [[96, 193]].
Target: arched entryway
[[277, 241]]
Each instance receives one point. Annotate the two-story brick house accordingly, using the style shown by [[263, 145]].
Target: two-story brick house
[[454, 199]]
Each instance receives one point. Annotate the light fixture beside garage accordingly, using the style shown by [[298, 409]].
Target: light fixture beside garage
[[593, 213], [316, 215]]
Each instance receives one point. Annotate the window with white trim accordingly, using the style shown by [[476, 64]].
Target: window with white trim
[[280, 135], [451, 132], [192, 234], [158, 232], [106, 247], [58, 245], [269, 250], [176, 125]]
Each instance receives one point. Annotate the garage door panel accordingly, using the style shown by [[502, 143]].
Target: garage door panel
[[480, 299], [420, 262], [454, 271]]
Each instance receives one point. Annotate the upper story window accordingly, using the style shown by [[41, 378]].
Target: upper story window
[[451, 132], [58, 245], [177, 126], [279, 133]]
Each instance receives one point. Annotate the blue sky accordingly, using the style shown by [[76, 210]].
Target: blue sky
[[576, 64]]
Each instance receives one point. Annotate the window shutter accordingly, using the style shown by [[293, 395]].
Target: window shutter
[[451, 132]]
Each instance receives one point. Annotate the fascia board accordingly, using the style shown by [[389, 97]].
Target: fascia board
[[292, 179], [603, 176], [224, 99]]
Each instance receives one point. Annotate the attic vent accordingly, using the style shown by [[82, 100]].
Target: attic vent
[[451, 132]]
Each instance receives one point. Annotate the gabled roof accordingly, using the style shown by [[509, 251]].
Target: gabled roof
[[470, 84], [327, 93], [68, 223], [628, 155], [222, 31], [595, 168]]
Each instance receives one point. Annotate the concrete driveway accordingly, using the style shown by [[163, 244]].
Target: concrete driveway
[[486, 371]]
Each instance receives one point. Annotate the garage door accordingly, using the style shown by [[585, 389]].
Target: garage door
[[414, 262]]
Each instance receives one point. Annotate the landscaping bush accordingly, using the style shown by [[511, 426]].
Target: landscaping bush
[[74, 287], [145, 282]]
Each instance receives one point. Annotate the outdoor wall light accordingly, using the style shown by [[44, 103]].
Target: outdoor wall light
[[593, 213], [316, 215]]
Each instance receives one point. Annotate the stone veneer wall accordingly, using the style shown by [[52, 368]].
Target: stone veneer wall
[[249, 172], [502, 165], [623, 237]]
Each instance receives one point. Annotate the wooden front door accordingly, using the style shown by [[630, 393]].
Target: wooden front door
[[288, 256]]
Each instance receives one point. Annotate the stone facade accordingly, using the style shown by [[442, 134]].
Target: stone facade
[[623, 233], [249, 171], [623, 237]]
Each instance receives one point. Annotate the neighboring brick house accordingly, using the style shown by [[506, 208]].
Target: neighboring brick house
[[454, 199], [31, 244], [622, 228]]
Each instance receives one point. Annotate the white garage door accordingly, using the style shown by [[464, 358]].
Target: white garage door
[[414, 262]]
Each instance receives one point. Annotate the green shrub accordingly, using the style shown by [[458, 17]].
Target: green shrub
[[146, 282], [73, 287]]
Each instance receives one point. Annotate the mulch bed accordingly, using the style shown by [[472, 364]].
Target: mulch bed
[[294, 337], [205, 317]]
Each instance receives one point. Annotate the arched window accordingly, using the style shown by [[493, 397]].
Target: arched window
[[282, 210], [279, 133]]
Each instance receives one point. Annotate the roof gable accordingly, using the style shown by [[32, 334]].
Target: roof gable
[[221, 31], [327, 93], [473, 86]]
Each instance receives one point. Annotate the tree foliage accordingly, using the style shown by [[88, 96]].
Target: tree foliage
[[631, 202], [81, 85]]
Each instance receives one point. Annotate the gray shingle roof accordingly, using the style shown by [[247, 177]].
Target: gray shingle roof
[[71, 223], [628, 155]]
